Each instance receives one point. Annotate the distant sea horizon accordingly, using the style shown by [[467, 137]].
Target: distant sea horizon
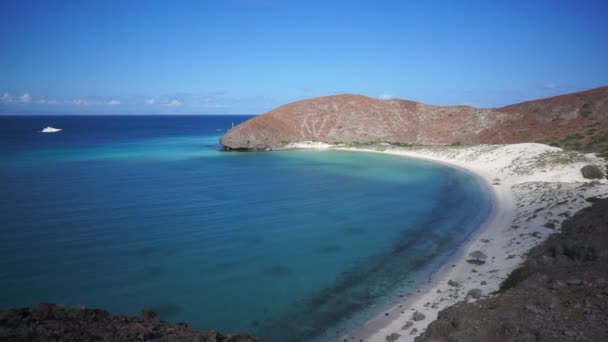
[[124, 212]]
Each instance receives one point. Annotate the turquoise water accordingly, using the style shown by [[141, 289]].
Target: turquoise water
[[131, 212]]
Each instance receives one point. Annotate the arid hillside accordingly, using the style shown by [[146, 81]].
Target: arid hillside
[[577, 121]]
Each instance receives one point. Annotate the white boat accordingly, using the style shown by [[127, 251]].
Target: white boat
[[50, 129]]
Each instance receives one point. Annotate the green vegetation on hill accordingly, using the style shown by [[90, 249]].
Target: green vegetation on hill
[[590, 139], [585, 110], [517, 276]]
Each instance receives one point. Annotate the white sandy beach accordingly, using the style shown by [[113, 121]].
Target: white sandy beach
[[535, 188]]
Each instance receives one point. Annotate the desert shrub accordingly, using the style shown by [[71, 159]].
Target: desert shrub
[[400, 144], [530, 338], [585, 110], [576, 136], [474, 293], [517, 276]]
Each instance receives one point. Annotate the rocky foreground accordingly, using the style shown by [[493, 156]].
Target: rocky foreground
[[50, 322], [559, 294]]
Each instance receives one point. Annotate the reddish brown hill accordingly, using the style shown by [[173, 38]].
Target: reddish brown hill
[[355, 118]]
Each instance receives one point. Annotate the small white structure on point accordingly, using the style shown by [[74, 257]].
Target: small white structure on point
[[50, 129]]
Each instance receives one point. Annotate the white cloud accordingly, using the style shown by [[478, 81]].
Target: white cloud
[[6, 98], [150, 101], [46, 101], [113, 103], [550, 85], [25, 98], [173, 103], [386, 97], [80, 102]]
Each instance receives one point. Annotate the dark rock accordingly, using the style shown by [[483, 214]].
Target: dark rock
[[418, 316], [477, 262], [50, 322], [534, 309], [558, 284], [592, 172], [574, 282], [453, 283], [166, 310], [213, 336], [414, 331], [392, 337], [407, 325], [148, 314], [248, 148]]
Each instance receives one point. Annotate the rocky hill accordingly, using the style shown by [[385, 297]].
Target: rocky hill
[[50, 322], [559, 294], [577, 120]]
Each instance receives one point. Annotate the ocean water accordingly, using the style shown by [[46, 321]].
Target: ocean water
[[127, 212]]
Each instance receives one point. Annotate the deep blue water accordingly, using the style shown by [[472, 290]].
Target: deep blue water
[[145, 211]]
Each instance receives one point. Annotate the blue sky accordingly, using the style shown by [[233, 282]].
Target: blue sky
[[249, 56]]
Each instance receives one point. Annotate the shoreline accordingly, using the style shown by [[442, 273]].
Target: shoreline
[[525, 182], [500, 214]]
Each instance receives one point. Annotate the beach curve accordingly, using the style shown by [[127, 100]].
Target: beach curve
[[525, 181]]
